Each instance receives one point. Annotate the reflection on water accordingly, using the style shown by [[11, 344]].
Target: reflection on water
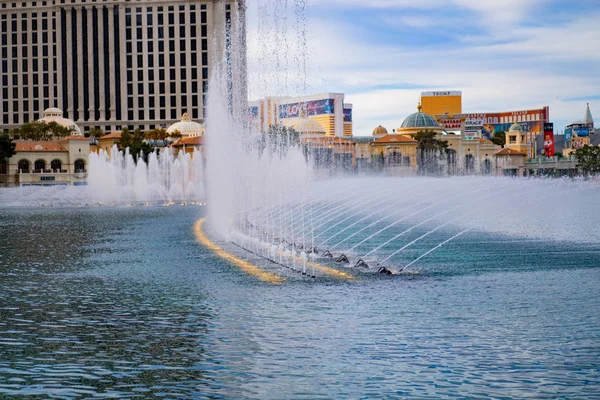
[[120, 303]]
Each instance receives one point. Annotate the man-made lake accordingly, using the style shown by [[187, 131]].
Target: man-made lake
[[123, 302]]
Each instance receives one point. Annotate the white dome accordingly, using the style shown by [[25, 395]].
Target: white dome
[[186, 127], [304, 125], [54, 114]]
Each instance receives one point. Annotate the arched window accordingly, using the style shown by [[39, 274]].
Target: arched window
[[24, 166], [39, 165], [495, 120], [79, 165], [55, 165]]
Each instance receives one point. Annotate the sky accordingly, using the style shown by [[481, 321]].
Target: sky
[[504, 55]]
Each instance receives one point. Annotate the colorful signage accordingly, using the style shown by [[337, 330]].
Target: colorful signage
[[347, 115], [470, 135], [451, 124], [253, 111], [568, 134], [549, 139], [475, 120], [307, 108], [582, 132]]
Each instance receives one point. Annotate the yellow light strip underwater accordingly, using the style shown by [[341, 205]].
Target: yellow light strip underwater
[[241, 264]]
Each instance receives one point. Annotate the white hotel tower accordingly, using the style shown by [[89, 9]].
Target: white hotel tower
[[111, 63]]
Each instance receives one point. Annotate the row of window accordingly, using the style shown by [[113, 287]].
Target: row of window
[[160, 32], [161, 114], [25, 80], [28, 22], [25, 38], [160, 19], [161, 46], [25, 51], [162, 101], [55, 166], [35, 65], [161, 60], [163, 85], [138, 9]]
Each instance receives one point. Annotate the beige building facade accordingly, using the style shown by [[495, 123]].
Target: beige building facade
[[109, 63]]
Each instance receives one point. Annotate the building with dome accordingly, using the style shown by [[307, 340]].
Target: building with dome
[[379, 132], [54, 114], [186, 127], [44, 163], [417, 122]]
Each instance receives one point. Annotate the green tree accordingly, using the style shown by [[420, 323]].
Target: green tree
[[499, 138], [134, 141], [162, 135], [588, 160], [95, 132], [429, 149], [7, 148], [40, 131]]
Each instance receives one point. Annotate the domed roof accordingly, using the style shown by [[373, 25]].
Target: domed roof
[[420, 120], [304, 125], [515, 127], [380, 131], [54, 114], [186, 127]]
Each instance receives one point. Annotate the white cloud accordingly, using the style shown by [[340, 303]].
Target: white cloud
[[524, 67]]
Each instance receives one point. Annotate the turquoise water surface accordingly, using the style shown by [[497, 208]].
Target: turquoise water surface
[[124, 303]]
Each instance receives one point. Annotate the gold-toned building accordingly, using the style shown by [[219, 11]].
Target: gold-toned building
[[442, 102]]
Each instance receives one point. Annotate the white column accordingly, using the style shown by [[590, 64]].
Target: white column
[[177, 65], [111, 62], [145, 60], [69, 56], [90, 55], [123, 66], [101, 106], [80, 91], [59, 60], [188, 57]]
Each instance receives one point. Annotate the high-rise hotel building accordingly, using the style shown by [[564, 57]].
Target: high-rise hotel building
[[110, 63]]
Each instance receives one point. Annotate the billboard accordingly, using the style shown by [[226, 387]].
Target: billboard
[[568, 134], [582, 132], [442, 102], [347, 115], [451, 124], [549, 139], [307, 108], [530, 120], [470, 135]]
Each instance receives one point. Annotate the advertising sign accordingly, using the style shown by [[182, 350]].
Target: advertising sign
[[470, 135], [475, 120], [568, 134], [582, 132], [308, 108], [253, 112], [347, 115], [549, 139], [451, 124]]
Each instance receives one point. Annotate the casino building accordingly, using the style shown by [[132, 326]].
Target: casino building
[[108, 63], [330, 114]]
